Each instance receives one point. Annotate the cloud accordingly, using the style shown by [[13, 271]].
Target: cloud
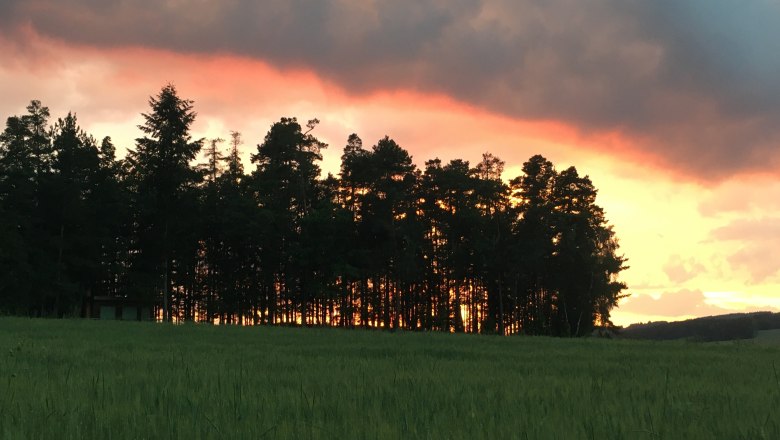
[[761, 229], [680, 270], [683, 303], [762, 261], [740, 196], [672, 304], [109, 88], [695, 84], [758, 246]]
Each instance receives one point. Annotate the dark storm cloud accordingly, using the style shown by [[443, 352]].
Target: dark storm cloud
[[696, 82]]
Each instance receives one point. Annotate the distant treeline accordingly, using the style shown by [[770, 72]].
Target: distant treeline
[[711, 328], [449, 247]]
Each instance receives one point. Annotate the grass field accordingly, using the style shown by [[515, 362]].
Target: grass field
[[769, 336], [116, 380]]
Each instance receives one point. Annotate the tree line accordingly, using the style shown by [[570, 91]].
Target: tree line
[[449, 247], [709, 328]]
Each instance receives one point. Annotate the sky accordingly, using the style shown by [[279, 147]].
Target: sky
[[672, 107]]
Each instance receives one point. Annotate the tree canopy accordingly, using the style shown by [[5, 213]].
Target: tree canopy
[[450, 247]]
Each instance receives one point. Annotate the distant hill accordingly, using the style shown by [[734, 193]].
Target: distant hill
[[711, 328]]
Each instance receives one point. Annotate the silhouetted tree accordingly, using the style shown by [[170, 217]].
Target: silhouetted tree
[[54, 187], [72, 220], [24, 165], [162, 178], [535, 239], [452, 248], [285, 184]]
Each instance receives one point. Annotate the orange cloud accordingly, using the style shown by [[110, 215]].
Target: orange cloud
[[696, 96], [248, 95]]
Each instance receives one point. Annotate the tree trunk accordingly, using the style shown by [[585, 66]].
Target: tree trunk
[[59, 270], [500, 307], [166, 311], [458, 321]]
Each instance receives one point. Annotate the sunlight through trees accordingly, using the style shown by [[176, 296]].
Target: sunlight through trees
[[451, 247]]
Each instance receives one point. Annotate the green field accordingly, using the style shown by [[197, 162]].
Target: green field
[[769, 336], [105, 380]]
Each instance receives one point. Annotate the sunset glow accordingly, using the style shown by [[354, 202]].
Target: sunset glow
[[685, 157]]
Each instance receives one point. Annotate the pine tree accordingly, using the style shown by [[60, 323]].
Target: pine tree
[[163, 178]]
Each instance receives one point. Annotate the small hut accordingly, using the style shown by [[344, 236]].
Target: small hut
[[119, 307]]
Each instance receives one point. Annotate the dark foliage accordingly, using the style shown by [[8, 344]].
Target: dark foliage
[[711, 328], [451, 247]]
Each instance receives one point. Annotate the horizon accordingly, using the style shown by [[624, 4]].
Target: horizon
[[677, 129]]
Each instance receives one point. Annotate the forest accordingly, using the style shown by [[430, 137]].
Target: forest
[[385, 244]]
